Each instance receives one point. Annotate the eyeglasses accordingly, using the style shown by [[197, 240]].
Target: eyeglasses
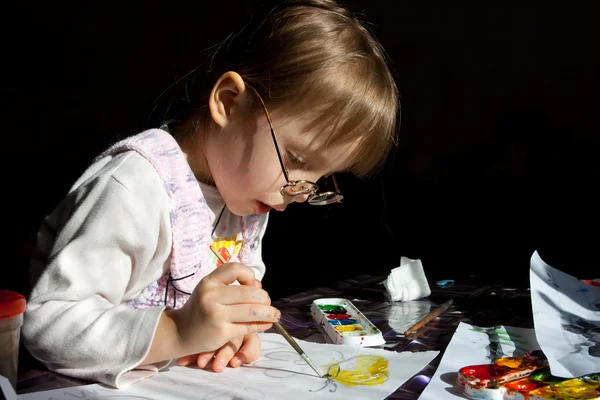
[[302, 187]]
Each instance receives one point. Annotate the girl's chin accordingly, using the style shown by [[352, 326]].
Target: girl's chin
[[261, 208]]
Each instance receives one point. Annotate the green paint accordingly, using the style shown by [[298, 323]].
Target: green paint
[[332, 308], [547, 377], [497, 331]]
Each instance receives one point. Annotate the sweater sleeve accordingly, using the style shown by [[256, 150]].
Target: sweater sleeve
[[102, 245]]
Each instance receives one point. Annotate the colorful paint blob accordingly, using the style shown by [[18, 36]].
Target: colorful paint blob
[[537, 386], [569, 389], [343, 322], [363, 370], [350, 321], [502, 370], [520, 388], [349, 328], [338, 316], [332, 308]]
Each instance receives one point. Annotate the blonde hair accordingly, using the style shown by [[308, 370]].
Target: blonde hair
[[311, 53]]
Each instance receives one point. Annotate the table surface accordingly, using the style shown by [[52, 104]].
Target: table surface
[[477, 304]]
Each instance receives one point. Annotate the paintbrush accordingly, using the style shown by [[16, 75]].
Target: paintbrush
[[281, 330], [433, 314]]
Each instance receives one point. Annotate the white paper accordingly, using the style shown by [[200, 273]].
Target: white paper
[[472, 345], [279, 373], [7, 389], [566, 315]]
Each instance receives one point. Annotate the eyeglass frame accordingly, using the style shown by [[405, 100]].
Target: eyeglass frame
[[313, 193]]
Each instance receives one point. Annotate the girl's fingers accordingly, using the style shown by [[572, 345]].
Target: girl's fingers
[[204, 359], [245, 313], [225, 353], [240, 294], [254, 327], [228, 273], [249, 351], [201, 359], [187, 360]]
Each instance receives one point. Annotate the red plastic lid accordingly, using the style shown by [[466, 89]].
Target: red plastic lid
[[11, 304], [591, 282]]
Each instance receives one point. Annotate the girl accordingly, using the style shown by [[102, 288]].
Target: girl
[[126, 270]]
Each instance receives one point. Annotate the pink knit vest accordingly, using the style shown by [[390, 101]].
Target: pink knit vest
[[190, 222]]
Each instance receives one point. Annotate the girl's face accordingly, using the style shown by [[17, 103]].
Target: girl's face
[[243, 163]]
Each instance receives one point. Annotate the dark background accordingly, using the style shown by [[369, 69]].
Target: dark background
[[497, 153]]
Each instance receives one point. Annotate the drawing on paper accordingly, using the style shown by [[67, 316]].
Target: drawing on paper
[[361, 370], [279, 373], [94, 394], [503, 343], [589, 333]]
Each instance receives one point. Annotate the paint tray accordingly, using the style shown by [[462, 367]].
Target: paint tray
[[344, 323]]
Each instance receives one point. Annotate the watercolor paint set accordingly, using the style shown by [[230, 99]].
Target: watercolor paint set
[[343, 322], [502, 370], [524, 378]]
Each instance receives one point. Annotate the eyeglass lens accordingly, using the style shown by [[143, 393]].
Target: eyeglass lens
[[321, 199]]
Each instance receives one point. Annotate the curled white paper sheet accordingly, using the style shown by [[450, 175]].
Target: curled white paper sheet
[[566, 316]]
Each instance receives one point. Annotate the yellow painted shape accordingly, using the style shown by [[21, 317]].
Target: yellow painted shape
[[228, 242], [362, 370], [348, 328], [509, 362]]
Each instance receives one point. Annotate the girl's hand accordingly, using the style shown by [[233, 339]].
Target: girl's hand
[[239, 351], [218, 313]]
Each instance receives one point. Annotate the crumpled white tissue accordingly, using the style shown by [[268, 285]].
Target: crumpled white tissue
[[408, 281]]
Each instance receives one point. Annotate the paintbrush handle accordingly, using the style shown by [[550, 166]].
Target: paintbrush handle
[[281, 329], [288, 337], [433, 314], [298, 349], [219, 256]]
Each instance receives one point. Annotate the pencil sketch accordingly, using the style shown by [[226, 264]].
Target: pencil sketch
[[94, 394], [359, 370], [279, 373], [217, 386]]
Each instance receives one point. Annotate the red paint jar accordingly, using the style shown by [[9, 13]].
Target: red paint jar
[[12, 307]]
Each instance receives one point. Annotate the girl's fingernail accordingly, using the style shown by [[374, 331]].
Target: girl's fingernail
[[235, 362], [218, 364], [202, 362]]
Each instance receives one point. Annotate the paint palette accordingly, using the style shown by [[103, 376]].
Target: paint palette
[[541, 386], [505, 380], [505, 369], [344, 323]]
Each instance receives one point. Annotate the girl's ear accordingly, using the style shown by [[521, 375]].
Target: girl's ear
[[226, 96]]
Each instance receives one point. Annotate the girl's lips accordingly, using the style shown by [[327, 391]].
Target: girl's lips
[[261, 208]]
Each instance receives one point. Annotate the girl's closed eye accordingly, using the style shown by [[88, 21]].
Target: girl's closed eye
[[296, 160]]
